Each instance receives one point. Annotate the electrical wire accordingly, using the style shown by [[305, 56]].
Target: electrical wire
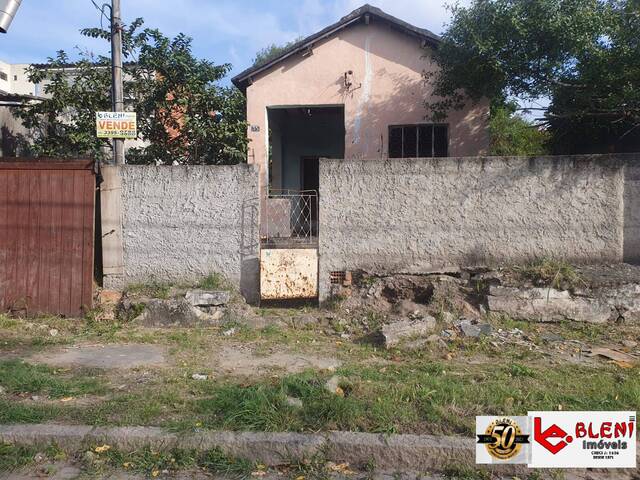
[[101, 10]]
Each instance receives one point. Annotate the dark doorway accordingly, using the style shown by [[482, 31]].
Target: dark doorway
[[310, 182], [309, 173], [298, 136]]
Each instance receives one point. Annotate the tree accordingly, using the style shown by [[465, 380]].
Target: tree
[[183, 113], [512, 135], [582, 54], [272, 51]]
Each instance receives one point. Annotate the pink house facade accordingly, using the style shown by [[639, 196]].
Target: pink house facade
[[354, 90]]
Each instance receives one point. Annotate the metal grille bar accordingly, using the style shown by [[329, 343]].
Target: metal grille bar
[[291, 218]]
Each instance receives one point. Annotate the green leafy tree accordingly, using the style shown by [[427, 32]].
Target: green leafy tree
[[582, 54], [183, 113], [511, 134], [272, 51], [64, 123]]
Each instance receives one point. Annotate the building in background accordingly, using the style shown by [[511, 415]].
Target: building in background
[[15, 87]]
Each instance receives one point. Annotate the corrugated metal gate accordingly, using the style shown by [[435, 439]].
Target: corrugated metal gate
[[46, 236]]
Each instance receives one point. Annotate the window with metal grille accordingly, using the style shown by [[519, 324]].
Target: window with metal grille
[[3, 76], [423, 140]]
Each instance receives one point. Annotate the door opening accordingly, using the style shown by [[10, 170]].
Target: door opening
[[310, 182]]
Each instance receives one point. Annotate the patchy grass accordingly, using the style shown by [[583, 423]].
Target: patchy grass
[[549, 272], [18, 377], [17, 456], [430, 390], [419, 397], [152, 288], [150, 462]]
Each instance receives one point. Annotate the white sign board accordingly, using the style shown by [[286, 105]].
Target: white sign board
[[583, 440], [116, 125]]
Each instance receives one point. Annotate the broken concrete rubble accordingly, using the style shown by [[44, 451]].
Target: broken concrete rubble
[[469, 328], [548, 305], [175, 313], [600, 293], [207, 298], [396, 332]]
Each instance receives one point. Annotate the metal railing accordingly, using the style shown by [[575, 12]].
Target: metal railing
[[291, 218]]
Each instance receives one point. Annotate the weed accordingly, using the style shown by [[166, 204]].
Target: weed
[[216, 461], [150, 461], [134, 310], [334, 302], [466, 473], [548, 272], [8, 322], [153, 288], [15, 456], [517, 370], [313, 467], [213, 281]]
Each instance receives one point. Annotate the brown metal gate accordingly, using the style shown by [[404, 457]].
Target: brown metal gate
[[46, 236]]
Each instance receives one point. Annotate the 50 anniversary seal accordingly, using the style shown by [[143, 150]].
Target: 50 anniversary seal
[[503, 438]]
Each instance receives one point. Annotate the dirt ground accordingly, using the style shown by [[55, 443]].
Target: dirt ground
[[309, 369]]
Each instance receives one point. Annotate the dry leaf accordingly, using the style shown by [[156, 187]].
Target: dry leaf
[[103, 448]]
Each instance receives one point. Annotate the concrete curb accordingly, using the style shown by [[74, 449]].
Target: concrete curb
[[425, 453], [387, 452]]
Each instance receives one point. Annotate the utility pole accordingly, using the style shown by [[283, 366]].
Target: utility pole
[[116, 75]]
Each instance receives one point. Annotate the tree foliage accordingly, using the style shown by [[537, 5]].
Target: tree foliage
[[272, 51], [584, 55], [511, 134], [183, 113]]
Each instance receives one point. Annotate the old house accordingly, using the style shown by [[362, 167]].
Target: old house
[[355, 89]]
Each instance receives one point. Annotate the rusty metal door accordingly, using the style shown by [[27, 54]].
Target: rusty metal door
[[46, 236]]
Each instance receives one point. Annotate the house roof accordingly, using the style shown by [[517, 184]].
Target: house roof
[[7, 98], [243, 79]]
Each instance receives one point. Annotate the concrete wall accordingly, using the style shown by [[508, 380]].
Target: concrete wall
[[421, 215], [184, 222], [387, 89]]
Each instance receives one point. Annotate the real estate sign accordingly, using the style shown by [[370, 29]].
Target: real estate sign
[[116, 125]]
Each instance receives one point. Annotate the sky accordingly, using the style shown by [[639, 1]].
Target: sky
[[224, 31]]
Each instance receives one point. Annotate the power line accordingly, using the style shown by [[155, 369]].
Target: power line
[[101, 10]]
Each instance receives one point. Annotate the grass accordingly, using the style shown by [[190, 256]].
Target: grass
[[150, 462], [18, 456], [411, 393], [15, 456], [152, 288], [18, 377], [162, 289], [549, 272]]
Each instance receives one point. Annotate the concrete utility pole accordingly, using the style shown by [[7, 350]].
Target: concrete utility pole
[[116, 75]]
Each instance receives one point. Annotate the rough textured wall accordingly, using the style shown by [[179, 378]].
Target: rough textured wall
[[184, 222], [421, 215], [632, 210]]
